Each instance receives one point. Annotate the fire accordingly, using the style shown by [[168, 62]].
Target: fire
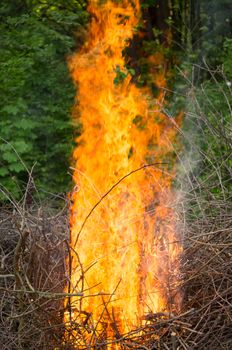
[[124, 253]]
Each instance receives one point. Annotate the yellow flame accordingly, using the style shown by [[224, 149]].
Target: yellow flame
[[126, 252]]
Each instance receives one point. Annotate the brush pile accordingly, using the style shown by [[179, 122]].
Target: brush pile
[[32, 276], [34, 247], [206, 317]]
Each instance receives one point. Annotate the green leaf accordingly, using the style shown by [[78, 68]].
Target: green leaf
[[21, 146], [11, 109], [16, 167], [26, 124], [4, 171], [10, 157]]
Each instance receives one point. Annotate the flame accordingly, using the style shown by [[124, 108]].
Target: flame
[[125, 256]]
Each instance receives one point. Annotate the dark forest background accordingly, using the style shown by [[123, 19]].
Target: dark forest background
[[37, 94]]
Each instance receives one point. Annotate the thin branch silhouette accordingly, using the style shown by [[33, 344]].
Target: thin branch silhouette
[[110, 190]]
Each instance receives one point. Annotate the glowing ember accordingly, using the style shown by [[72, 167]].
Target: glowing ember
[[126, 251]]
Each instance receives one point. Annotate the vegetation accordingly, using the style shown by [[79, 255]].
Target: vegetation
[[36, 92]]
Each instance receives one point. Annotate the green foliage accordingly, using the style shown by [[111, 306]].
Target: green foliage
[[36, 93], [212, 105], [148, 3], [121, 74], [215, 27], [227, 59], [139, 122]]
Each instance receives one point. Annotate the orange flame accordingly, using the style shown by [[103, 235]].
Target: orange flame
[[125, 257]]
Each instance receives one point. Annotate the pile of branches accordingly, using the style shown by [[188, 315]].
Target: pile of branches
[[33, 251], [206, 316], [34, 274], [33, 277]]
